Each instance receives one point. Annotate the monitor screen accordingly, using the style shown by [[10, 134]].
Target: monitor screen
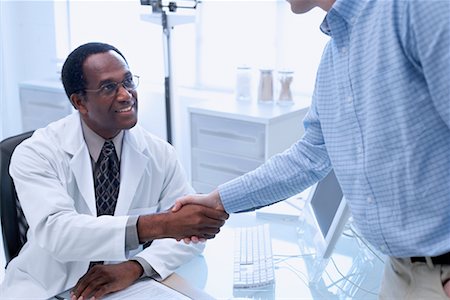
[[325, 213]]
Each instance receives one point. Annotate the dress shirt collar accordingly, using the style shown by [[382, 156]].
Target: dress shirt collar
[[95, 142], [348, 10], [324, 27]]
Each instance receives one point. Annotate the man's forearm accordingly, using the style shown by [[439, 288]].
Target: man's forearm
[[151, 227], [190, 220]]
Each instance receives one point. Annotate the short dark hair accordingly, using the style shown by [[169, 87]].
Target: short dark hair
[[72, 75]]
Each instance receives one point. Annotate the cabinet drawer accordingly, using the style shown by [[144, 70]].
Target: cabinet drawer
[[42, 107], [214, 168], [228, 136]]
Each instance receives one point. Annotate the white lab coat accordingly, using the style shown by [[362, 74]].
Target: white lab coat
[[54, 181]]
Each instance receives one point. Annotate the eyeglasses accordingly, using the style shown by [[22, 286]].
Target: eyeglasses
[[110, 89]]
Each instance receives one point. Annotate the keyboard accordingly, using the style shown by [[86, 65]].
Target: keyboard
[[253, 260]]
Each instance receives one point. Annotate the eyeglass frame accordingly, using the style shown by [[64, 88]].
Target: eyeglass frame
[[134, 79]]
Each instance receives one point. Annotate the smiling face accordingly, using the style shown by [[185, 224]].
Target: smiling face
[[106, 115]]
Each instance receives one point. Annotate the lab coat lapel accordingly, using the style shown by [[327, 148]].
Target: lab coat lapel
[[133, 162], [82, 171], [80, 164]]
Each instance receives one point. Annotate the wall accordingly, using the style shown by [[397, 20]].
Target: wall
[[27, 52]]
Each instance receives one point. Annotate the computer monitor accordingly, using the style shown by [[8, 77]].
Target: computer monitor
[[325, 214]]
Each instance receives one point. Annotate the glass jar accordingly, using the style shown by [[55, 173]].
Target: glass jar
[[243, 83], [285, 79], [265, 89]]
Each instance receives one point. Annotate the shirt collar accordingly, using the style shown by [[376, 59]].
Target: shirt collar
[[324, 27], [95, 142], [348, 10]]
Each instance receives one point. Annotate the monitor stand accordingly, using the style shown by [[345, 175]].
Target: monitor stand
[[357, 274], [346, 285], [315, 265]]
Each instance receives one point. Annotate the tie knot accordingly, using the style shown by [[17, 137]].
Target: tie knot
[[108, 148]]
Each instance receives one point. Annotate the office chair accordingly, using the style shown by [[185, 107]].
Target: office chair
[[14, 224]]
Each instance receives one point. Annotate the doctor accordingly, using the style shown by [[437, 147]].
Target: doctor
[[58, 178]]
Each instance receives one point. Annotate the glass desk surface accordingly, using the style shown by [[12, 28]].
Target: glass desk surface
[[354, 270]]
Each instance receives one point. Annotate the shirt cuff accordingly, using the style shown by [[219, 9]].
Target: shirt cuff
[[148, 270], [131, 234]]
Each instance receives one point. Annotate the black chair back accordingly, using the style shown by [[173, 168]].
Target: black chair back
[[14, 224]]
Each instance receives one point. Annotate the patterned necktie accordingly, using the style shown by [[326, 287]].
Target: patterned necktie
[[107, 180]]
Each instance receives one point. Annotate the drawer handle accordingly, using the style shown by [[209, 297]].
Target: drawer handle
[[228, 135], [222, 169]]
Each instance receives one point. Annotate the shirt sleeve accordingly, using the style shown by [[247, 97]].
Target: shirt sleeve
[[283, 175], [132, 242], [426, 36], [131, 234], [148, 270]]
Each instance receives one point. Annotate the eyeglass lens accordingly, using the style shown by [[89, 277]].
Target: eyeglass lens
[[111, 88]]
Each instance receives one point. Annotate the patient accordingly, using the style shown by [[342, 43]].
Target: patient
[[96, 190]]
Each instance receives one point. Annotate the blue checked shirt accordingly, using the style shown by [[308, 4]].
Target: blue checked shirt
[[380, 116]]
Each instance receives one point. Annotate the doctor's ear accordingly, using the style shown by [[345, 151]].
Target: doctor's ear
[[78, 101]]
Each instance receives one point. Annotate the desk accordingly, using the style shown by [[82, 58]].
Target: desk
[[210, 276], [213, 272]]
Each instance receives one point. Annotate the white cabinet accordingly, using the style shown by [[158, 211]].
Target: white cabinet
[[230, 138], [41, 102]]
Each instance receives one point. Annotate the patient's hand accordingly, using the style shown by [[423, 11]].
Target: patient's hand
[[211, 200], [104, 279]]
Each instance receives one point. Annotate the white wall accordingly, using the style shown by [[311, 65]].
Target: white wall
[[27, 52]]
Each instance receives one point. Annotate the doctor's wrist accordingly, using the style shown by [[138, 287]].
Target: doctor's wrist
[[150, 227], [134, 269]]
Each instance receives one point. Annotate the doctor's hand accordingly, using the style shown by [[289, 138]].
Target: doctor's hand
[[189, 220], [211, 200], [104, 279]]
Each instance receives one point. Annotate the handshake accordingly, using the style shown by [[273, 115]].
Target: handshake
[[192, 218]]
